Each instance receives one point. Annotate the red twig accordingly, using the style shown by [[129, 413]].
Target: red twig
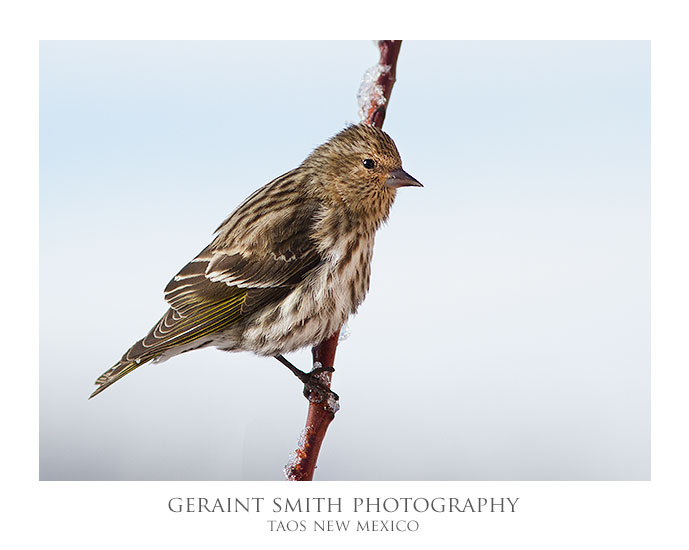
[[320, 415]]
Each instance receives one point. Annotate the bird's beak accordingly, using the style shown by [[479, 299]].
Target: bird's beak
[[399, 178]]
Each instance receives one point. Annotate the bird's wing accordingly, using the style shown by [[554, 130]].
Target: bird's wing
[[260, 251], [235, 276]]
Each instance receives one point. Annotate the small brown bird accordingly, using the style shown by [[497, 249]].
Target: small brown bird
[[289, 265]]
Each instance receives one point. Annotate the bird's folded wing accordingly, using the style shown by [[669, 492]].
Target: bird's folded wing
[[254, 261], [214, 291], [235, 277]]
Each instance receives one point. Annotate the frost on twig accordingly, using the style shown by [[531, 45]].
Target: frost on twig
[[294, 466], [345, 333], [371, 94], [376, 86]]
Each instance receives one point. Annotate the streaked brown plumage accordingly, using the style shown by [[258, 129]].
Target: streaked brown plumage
[[289, 265]]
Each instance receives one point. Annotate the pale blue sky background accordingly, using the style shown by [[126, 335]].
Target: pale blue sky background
[[507, 332]]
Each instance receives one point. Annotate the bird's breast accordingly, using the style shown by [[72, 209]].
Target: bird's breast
[[319, 305]]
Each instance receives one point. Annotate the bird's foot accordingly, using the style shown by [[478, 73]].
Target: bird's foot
[[316, 383]]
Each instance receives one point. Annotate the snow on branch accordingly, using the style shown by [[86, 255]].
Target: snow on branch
[[376, 86]]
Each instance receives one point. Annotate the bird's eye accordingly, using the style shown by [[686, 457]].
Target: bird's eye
[[369, 164]]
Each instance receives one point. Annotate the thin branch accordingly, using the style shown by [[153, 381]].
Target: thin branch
[[374, 96]]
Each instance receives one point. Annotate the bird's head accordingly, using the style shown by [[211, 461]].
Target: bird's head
[[360, 167]]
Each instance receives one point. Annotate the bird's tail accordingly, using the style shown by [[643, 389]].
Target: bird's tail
[[176, 333], [140, 353], [121, 369]]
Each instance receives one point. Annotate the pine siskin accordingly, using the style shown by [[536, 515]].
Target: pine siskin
[[289, 265]]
